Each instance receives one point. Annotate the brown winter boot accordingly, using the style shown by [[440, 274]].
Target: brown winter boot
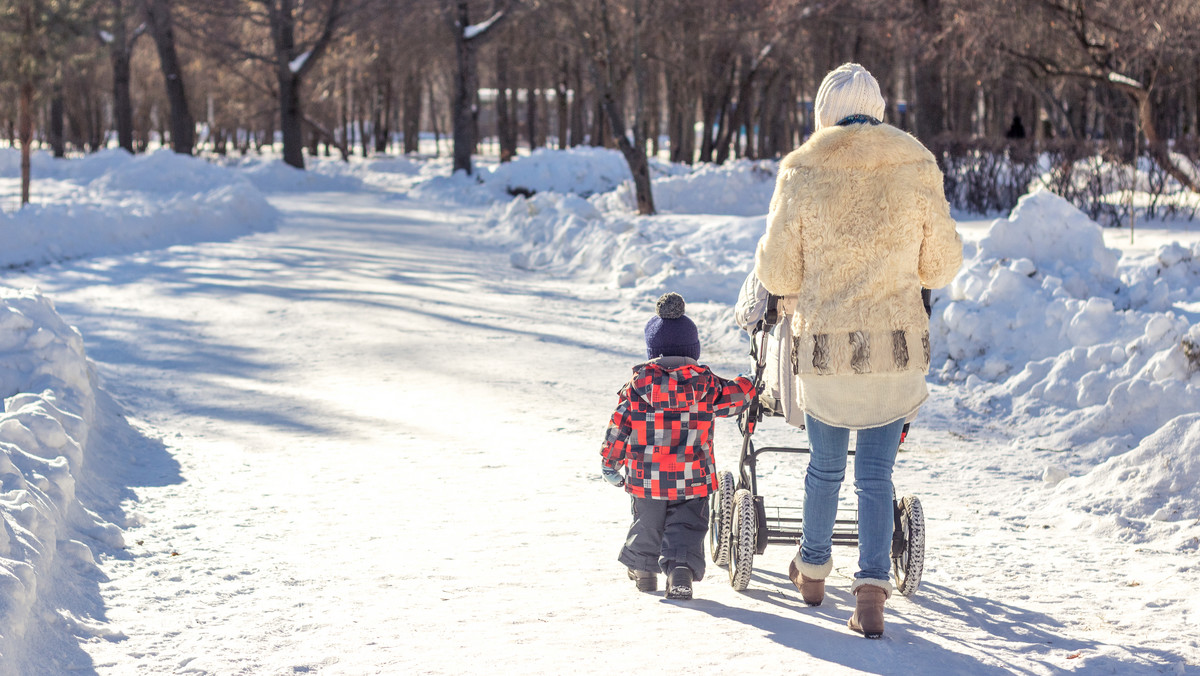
[[812, 591], [868, 610]]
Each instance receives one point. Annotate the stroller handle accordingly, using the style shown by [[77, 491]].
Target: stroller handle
[[771, 316]]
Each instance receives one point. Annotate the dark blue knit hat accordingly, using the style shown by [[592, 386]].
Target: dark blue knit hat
[[669, 333]]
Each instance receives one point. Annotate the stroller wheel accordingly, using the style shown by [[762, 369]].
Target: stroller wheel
[[745, 540], [720, 507], [908, 545]]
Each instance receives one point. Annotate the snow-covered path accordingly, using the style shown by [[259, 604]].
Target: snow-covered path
[[387, 444]]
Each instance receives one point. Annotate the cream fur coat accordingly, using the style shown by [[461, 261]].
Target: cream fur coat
[[857, 225]]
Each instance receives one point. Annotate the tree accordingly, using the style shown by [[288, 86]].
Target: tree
[[33, 34], [119, 39], [1139, 48], [467, 39], [289, 38], [928, 82], [293, 58], [183, 124], [611, 38]]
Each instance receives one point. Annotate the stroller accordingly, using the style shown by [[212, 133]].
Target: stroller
[[741, 525]]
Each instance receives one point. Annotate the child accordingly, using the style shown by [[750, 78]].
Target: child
[[661, 433]]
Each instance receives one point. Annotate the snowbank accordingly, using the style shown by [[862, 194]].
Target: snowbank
[[583, 171], [1145, 495], [739, 188], [112, 202], [49, 407], [274, 175], [701, 244], [703, 257], [1093, 364]]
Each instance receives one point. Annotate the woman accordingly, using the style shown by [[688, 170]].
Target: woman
[[857, 225]]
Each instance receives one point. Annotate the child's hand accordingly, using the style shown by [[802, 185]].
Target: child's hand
[[758, 386], [612, 476]]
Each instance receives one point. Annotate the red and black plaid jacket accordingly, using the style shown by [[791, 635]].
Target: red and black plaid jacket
[[662, 429]]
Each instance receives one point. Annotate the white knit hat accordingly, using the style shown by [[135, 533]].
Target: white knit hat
[[848, 90]]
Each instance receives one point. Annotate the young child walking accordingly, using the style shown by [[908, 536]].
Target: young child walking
[[661, 434]]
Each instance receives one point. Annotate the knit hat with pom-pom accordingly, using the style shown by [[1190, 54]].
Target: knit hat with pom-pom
[[847, 90], [670, 333]]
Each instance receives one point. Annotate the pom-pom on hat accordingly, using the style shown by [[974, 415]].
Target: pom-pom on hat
[[670, 333], [847, 90]]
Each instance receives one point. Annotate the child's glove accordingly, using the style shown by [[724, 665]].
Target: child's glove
[[758, 386], [612, 476]]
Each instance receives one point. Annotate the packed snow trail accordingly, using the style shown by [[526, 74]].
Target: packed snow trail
[[387, 445]]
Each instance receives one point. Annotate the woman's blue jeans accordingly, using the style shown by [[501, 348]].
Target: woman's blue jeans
[[874, 456]]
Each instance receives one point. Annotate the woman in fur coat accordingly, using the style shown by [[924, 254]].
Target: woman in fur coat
[[857, 226]]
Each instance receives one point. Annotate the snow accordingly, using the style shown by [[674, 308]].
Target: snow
[[1125, 80], [475, 30], [296, 64], [112, 202], [347, 420]]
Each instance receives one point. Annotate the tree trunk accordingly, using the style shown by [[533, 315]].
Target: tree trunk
[[508, 142], [599, 136], [928, 86], [465, 86], [738, 116], [1158, 149], [57, 138], [531, 113], [364, 135], [383, 117], [682, 108], [560, 99], [635, 150], [344, 112], [97, 132], [183, 125], [639, 166], [290, 118], [269, 134], [120, 48], [433, 117], [411, 125], [122, 100], [674, 119], [25, 134], [577, 107]]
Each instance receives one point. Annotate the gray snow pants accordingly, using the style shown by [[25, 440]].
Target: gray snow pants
[[666, 534]]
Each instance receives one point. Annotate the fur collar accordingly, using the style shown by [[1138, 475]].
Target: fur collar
[[859, 146]]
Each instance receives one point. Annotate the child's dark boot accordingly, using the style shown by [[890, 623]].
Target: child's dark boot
[[679, 583], [646, 580]]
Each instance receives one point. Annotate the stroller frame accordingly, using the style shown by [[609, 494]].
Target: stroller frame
[[740, 524]]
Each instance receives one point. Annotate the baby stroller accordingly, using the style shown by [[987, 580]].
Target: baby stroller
[[741, 524]]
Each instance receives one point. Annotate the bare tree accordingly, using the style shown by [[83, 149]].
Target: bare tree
[[611, 38], [119, 39], [1139, 48], [34, 34], [467, 39], [162, 29], [289, 37]]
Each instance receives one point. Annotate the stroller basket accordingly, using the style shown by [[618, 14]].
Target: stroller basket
[[784, 526]]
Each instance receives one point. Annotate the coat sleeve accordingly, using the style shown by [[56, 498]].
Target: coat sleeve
[[941, 245], [751, 304], [616, 438], [732, 396], [778, 259]]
